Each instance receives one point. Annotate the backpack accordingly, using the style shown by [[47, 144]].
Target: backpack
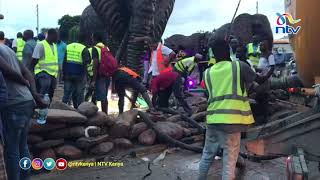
[[108, 65]]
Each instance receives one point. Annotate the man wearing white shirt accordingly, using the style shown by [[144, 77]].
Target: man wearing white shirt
[[160, 59]]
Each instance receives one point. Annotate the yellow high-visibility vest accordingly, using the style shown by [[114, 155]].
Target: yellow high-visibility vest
[[254, 56], [182, 65], [20, 46], [74, 53], [228, 103], [90, 66], [49, 63]]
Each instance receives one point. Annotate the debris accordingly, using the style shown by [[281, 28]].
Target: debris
[[123, 124], [123, 143], [37, 128], [148, 137], [62, 106], [48, 153], [73, 132], [102, 149], [87, 142], [199, 116], [86, 130], [171, 129], [137, 129], [174, 118], [167, 138], [139, 152], [100, 119], [63, 116], [88, 109], [69, 151], [49, 144]]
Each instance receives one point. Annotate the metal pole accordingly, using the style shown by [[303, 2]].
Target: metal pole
[[37, 19], [257, 7]]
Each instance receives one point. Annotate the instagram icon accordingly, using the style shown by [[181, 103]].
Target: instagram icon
[[37, 164]]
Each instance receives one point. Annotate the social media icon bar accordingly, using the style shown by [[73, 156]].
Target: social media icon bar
[[61, 164], [37, 164], [25, 163], [49, 164]]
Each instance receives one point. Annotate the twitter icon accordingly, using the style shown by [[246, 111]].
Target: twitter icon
[[49, 164]]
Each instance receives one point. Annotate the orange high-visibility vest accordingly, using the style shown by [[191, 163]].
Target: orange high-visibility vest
[[160, 61], [130, 72]]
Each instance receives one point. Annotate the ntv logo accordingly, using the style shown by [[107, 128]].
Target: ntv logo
[[283, 26]]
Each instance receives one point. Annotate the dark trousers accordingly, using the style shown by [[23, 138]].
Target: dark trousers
[[124, 81], [16, 120], [74, 88], [90, 92], [46, 84], [177, 89]]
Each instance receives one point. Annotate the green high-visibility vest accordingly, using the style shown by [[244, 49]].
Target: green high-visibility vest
[[20, 45], [74, 53], [182, 65], [253, 55], [49, 63], [228, 103], [90, 66]]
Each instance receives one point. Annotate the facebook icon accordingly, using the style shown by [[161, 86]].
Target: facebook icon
[[25, 163]]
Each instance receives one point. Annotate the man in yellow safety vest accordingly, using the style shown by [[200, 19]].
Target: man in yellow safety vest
[[45, 64], [18, 45], [186, 66], [254, 51], [229, 112], [74, 71]]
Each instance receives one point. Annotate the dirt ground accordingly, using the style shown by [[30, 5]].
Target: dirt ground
[[180, 165]]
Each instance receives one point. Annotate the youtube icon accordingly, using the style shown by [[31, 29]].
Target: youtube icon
[[61, 164]]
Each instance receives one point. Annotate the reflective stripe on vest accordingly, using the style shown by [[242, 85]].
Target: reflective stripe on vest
[[160, 61], [181, 65], [130, 72], [49, 63], [90, 66], [254, 56], [20, 45], [228, 103], [74, 53]]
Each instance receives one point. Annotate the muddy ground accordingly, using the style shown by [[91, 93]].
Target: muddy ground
[[178, 165]]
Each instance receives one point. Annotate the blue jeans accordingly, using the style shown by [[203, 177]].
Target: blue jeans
[[74, 87], [16, 122], [216, 139], [102, 88], [45, 83]]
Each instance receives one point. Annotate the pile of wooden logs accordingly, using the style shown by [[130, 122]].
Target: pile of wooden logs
[[78, 133]]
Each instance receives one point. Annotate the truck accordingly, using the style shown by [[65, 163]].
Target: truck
[[293, 131]]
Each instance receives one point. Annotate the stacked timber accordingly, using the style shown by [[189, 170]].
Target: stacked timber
[[78, 133]]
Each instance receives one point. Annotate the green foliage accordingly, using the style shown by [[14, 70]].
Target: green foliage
[[66, 23], [74, 33]]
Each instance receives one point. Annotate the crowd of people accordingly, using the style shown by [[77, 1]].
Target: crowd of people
[[32, 67]]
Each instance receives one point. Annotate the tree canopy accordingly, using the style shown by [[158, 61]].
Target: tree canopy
[[66, 23]]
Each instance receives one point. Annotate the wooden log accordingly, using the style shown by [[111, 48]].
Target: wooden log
[[167, 138], [88, 109], [37, 128], [199, 116], [185, 118], [123, 124], [137, 129], [63, 116], [49, 144]]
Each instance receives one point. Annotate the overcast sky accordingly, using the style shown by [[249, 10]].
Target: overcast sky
[[189, 16]]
